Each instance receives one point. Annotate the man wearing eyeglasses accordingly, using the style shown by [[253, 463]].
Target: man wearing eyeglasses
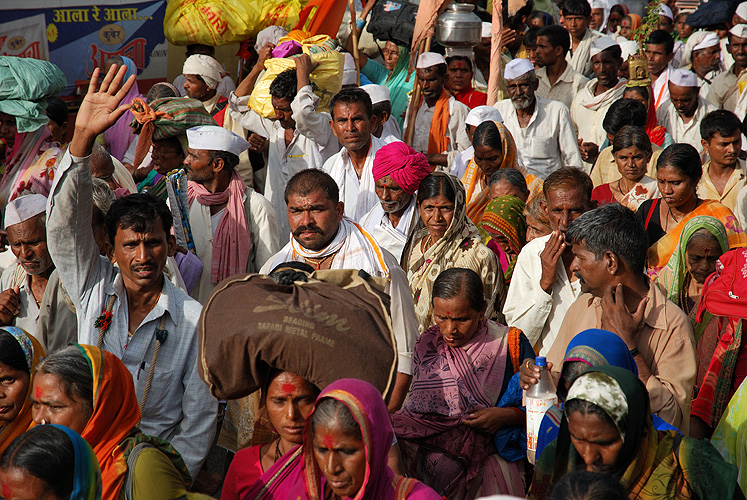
[[541, 128]]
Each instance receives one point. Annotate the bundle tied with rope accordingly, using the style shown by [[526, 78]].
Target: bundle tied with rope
[[336, 325], [164, 118]]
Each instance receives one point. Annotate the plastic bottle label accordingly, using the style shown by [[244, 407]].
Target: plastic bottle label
[[536, 408]]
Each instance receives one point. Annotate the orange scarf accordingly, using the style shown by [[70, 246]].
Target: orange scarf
[[24, 420], [437, 140], [112, 421]]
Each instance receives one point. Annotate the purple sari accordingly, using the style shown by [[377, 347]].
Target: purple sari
[[298, 476], [119, 136], [448, 385]]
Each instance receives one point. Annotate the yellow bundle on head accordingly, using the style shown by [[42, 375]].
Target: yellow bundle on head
[[326, 79]]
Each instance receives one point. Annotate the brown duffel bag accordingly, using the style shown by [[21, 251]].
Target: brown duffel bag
[[334, 326]]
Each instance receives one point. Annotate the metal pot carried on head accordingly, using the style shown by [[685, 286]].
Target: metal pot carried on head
[[459, 27]]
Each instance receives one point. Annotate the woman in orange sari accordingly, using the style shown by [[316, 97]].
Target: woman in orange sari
[[91, 391], [494, 149], [19, 355], [678, 171]]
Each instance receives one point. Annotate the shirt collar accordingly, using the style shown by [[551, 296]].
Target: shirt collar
[[167, 303]]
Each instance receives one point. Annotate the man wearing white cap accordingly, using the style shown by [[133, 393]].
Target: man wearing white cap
[[474, 119], [576, 15], [24, 283], [724, 92], [740, 14], [385, 128], [298, 137], [682, 112], [540, 127], [557, 79], [590, 106], [234, 227], [702, 56], [351, 122], [439, 123], [202, 76], [127, 307], [225, 85]]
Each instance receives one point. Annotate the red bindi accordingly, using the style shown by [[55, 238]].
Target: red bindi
[[448, 312], [329, 442], [38, 392], [288, 388]]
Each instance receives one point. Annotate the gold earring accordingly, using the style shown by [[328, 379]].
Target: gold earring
[[325, 469]]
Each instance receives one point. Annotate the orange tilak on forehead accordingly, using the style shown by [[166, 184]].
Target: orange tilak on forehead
[[38, 392], [329, 442], [288, 388]]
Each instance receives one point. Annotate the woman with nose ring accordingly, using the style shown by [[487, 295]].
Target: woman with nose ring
[[607, 428], [447, 238]]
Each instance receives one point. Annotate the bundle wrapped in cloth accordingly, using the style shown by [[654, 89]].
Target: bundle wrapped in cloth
[[326, 79], [334, 326], [25, 85]]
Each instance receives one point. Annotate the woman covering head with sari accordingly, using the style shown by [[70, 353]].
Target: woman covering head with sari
[[629, 24], [505, 222], [344, 453], [20, 353], [678, 171], [494, 149], [449, 239], [50, 462], [607, 428], [91, 391], [461, 369], [631, 149]]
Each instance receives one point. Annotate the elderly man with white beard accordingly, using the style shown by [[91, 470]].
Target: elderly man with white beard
[[541, 128]]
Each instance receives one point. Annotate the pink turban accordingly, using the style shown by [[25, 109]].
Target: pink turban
[[406, 166]]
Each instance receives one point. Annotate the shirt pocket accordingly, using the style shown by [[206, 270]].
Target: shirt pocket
[[542, 148]]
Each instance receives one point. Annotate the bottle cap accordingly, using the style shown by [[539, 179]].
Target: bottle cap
[[540, 361]]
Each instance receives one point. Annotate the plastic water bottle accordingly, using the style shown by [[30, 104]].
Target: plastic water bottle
[[539, 398]]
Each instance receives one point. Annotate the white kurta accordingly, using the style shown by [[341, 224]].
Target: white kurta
[[358, 194], [688, 133], [661, 88], [527, 307], [588, 111], [548, 142], [260, 218], [391, 129], [456, 131], [580, 59], [29, 315], [391, 238], [312, 144]]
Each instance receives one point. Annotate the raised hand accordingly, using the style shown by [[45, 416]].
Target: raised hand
[[100, 109]]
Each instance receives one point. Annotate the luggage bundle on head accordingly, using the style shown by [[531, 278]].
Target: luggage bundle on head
[[326, 79], [222, 22], [321, 330], [25, 83], [393, 21]]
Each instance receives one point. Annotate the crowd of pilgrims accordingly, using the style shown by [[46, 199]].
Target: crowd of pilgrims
[[593, 216]]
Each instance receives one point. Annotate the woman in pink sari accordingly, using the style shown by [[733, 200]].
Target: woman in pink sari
[[344, 453], [461, 368]]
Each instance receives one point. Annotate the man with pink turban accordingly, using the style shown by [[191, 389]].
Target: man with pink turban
[[397, 172]]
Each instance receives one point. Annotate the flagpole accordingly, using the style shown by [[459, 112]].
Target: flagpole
[[354, 34]]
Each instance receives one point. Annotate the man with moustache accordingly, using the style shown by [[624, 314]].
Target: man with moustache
[[440, 122], [124, 303], [542, 287], [397, 171], [682, 113], [325, 239], [609, 248], [591, 104], [724, 172], [541, 128], [702, 56], [352, 120], [25, 283], [233, 227], [724, 92]]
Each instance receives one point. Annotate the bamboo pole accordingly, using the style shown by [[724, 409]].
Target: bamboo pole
[[354, 34], [417, 97]]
